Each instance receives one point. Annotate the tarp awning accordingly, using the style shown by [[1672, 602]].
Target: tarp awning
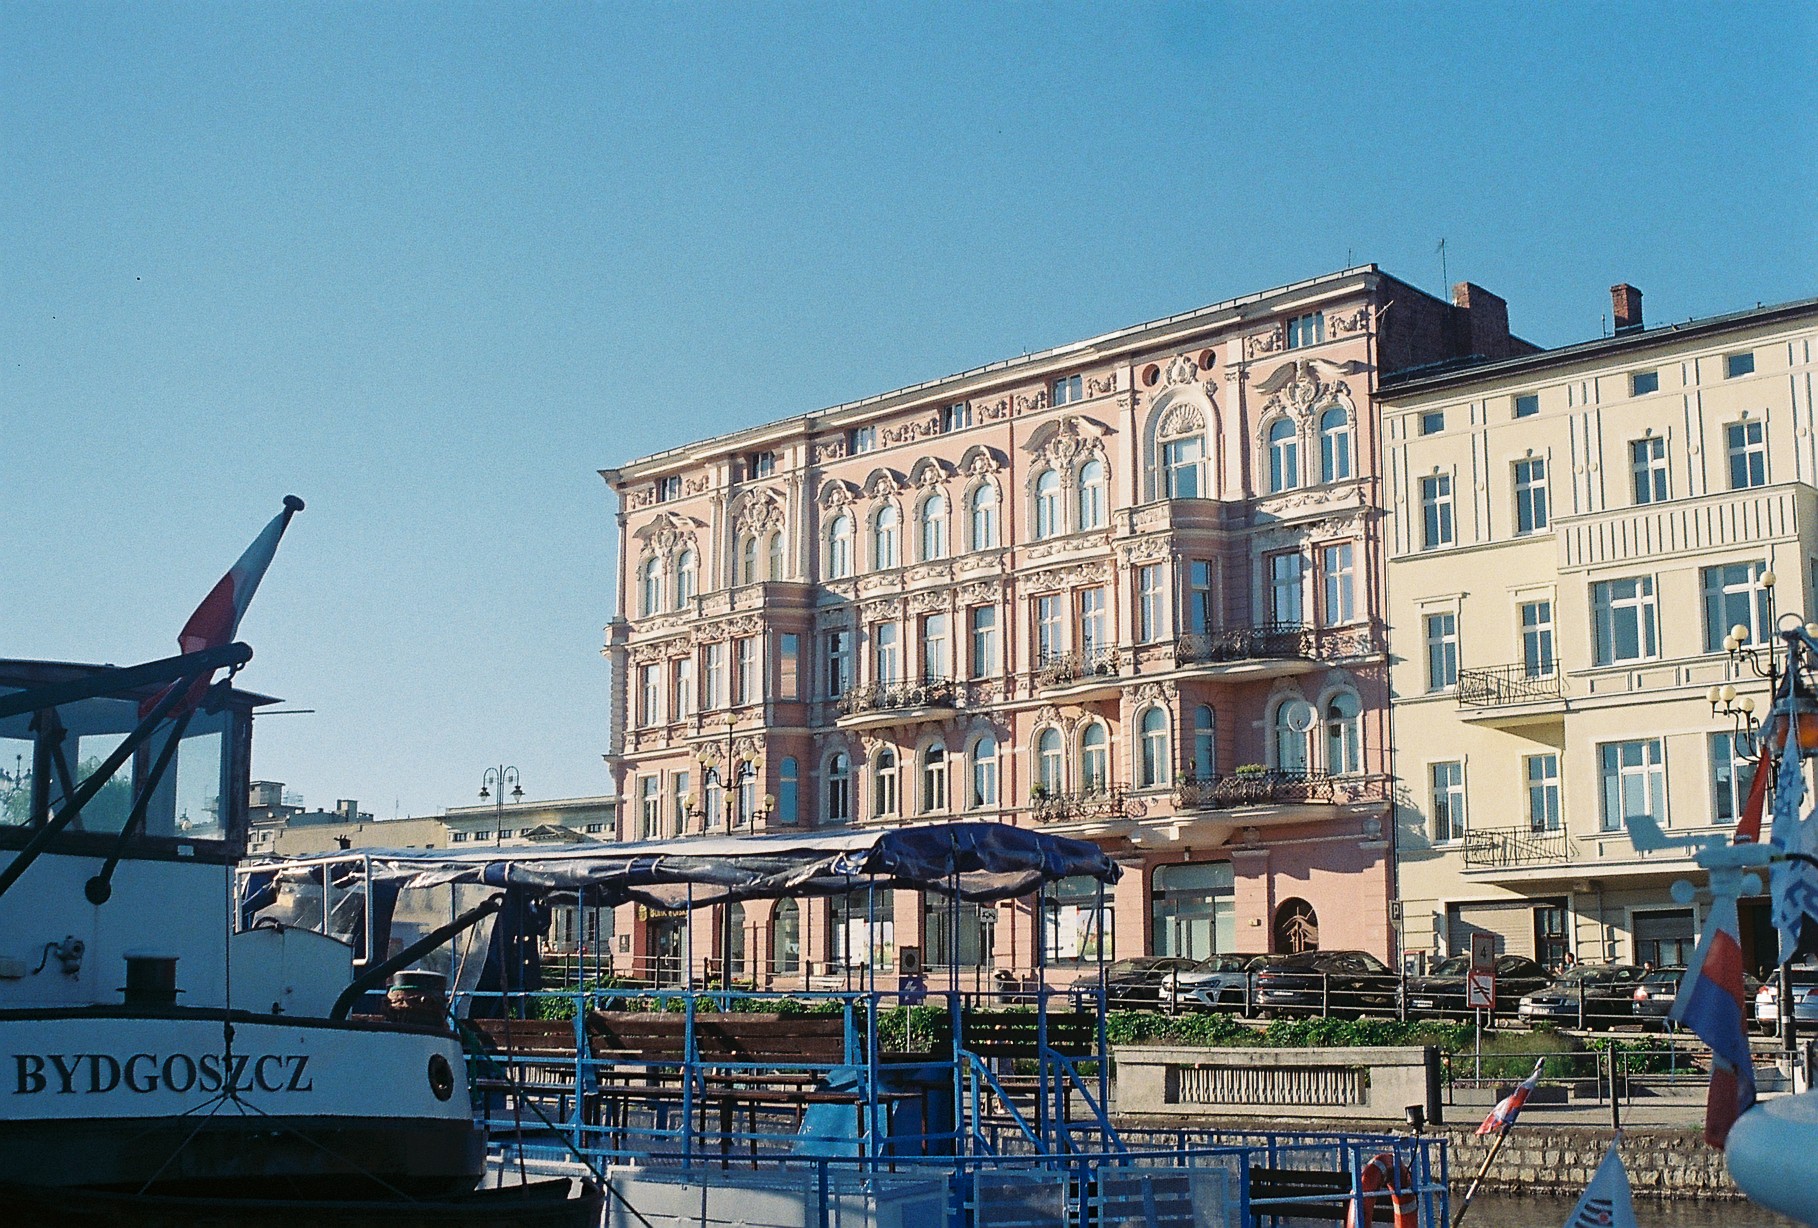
[[980, 861]]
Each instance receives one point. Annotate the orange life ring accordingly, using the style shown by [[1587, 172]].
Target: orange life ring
[[1385, 1172]]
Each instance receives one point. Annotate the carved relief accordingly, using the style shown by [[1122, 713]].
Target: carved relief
[[1182, 419], [694, 486], [1301, 385], [1067, 577], [1098, 387], [758, 512], [1144, 550], [980, 594], [1265, 343], [667, 534], [1028, 403], [929, 601], [887, 610], [991, 411], [910, 430], [1183, 370], [831, 450], [1156, 693], [1352, 322], [837, 493]]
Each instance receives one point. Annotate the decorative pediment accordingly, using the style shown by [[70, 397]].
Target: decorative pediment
[[1183, 418], [929, 471], [837, 493], [758, 511], [667, 533], [1062, 441], [1299, 386], [883, 483], [980, 461]]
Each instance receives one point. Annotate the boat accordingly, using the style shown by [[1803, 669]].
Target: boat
[[150, 1047]]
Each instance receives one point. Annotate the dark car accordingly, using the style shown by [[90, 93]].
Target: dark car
[[1327, 983], [1586, 995], [1131, 982], [1218, 982], [1653, 998], [1442, 991]]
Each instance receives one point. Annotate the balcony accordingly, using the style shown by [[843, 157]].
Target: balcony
[[1510, 696], [1091, 674], [1516, 848], [1093, 804], [1267, 650], [896, 703]]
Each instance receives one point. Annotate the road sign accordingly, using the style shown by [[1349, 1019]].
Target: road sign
[[1483, 952], [1480, 990]]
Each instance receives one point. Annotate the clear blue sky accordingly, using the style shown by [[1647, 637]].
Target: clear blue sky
[[430, 266]]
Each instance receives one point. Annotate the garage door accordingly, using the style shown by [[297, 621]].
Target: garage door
[[1512, 922]]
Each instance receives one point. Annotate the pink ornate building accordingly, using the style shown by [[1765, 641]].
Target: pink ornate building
[[1129, 590]]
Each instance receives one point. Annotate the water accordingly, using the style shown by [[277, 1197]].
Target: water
[[1523, 1211]]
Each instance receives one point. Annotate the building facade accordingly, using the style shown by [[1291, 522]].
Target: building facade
[[1571, 537], [1127, 590]]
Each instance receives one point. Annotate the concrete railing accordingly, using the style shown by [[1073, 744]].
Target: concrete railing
[[1353, 1084]]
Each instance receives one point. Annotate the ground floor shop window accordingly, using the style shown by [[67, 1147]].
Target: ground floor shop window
[[956, 933], [861, 930], [1075, 929], [786, 937], [1664, 937], [1193, 909]]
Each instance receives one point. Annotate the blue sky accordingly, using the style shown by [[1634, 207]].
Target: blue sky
[[431, 266]]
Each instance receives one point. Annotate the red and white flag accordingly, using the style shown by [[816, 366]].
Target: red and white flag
[[1502, 1117], [217, 620]]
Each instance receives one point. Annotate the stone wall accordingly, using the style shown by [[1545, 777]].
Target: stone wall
[[1542, 1159]]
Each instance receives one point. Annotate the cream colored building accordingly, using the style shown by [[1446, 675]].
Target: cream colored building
[[1570, 537]]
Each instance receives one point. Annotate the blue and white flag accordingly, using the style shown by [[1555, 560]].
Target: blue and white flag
[[1606, 1202], [1795, 882]]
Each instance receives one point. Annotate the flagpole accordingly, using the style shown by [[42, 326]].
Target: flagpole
[[1471, 1191]]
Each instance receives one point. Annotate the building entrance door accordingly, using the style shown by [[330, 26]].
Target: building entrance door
[[666, 950], [1760, 940]]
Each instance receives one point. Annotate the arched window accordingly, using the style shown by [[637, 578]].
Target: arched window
[[650, 587], [934, 527], [1048, 764], [839, 788], [1344, 735], [1047, 504], [883, 783], [984, 517], [1155, 748], [687, 573], [839, 547], [984, 773], [884, 554], [1334, 445], [1205, 745], [934, 779], [735, 933], [748, 559], [1183, 460], [1095, 759], [788, 788], [1284, 456], [774, 551], [1293, 727], [1092, 495], [786, 936]]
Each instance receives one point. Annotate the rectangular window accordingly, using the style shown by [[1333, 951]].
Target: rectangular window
[[1151, 604], [714, 691], [1732, 775], [650, 689], [956, 417], [1634, 782], [669, 488], [937, 664], [789, 666], [1200, 618], [1643, 382], [684, 687], [1068, 388], [1648, 463], [1530, 496], [1734, 597], [1093, 632], [678, 800], [1442, 651], [1338, 565], [1436, 511], [1048, 645], [1306, 330], [862, 439], [1448, 802], [1181, 463], [1738, 364], [1543, 792], [1625, 617], [1527, 405], [1537, 639], [1432, 422], [886, 653], [1285, 587], [1748, 454], [745, 678], [837, 649], [760, 464], [983, 619], [651, 807]]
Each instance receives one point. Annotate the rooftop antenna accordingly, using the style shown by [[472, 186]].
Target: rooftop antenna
[[1445, 278]]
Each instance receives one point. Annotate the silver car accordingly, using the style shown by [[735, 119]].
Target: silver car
[[1218, 982], [1805, 1000]]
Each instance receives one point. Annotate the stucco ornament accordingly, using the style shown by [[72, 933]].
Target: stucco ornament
[[1298, 387], [1182, 419], [667, 535], [836, 493], [757, 512], [1182, 370]]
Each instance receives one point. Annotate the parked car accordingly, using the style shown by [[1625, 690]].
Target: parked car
[[1442, 991], [1586, 995], [1654, 996], [1805, 1000], [1327, 982], [1218, 982], [1130, 982]]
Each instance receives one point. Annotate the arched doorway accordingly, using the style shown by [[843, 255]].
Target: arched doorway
[[786, 938], [1296, 928]]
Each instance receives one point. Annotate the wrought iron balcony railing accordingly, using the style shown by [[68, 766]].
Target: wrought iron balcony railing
[[1266, 640], [1060, 669], [900, 696], [1494, 686], [1253, 789], [1095, 801], [1510, 847]]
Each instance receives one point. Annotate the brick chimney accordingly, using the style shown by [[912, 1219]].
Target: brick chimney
[[1488, 319], [1625, 308]]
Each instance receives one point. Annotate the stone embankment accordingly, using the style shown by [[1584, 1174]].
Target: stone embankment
[[1662, 1161]]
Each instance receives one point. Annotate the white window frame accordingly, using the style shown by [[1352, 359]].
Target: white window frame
[[1611, 607]]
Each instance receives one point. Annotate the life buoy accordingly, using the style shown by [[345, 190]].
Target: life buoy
[[1385, 1173]]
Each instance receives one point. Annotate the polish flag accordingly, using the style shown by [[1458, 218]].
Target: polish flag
[[217, 620]]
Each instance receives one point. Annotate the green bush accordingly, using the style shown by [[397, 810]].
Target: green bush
[[1510, 1056]]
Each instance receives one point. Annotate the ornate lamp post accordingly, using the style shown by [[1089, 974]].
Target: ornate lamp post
[[492, 784]]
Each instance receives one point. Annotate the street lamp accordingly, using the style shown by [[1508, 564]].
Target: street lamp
[[492, 784]]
